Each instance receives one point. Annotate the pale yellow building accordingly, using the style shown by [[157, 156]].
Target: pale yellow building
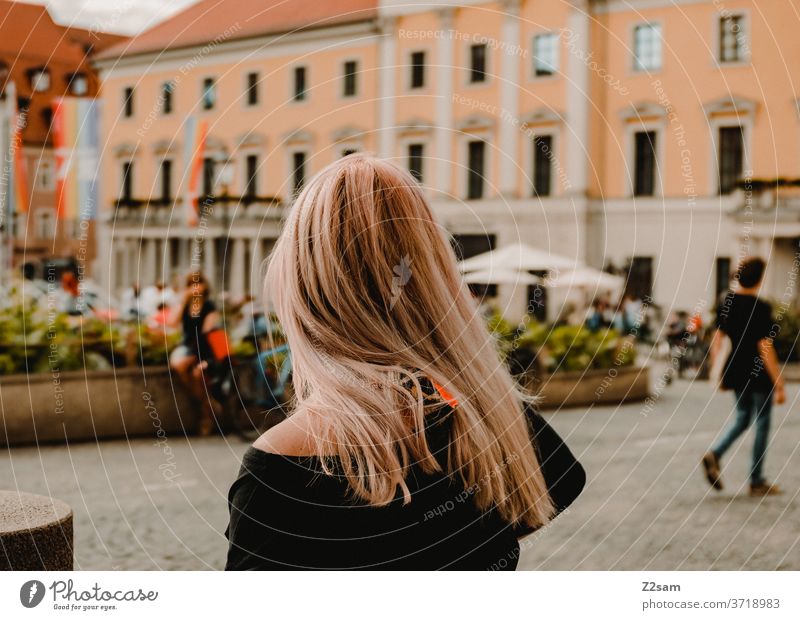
[[626, 134]]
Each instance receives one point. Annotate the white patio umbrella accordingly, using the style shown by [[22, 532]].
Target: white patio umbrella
[[500, 276], [518, 257], [588, 279]]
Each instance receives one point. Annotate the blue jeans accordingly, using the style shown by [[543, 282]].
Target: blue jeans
[[749, 405]]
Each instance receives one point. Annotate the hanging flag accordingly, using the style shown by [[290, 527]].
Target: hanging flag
[[194, 145], [17, 198], [76, 124]]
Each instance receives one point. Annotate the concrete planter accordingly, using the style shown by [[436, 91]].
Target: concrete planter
[[600, 387], [80, 406]]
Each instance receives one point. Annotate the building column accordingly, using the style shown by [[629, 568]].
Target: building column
[[443, 136], [209, 259], [577, 98], [386, 89], [128, 262], [256, 275], [577, 153], [237, 267], [509, 100], [166, 262], [149, 262]]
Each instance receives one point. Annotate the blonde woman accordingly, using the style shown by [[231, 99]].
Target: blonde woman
[[409, 446]]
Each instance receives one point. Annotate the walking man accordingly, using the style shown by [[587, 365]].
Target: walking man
[[751, 371]]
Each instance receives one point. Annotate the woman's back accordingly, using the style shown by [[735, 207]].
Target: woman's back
[[287, 513]]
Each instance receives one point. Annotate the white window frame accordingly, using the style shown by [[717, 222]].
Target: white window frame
[[557, 52], [307, 91], [635, 56], [531, 134], [745, 51], [161, 93], [629, 171], [42, 216], [243, 155], [41, 80], [159, 181], [246, 88], [358, 74], [45, 182], [298, 148], [426, 78], [715, 123], [202, 88], [489, 188], [488, 73]]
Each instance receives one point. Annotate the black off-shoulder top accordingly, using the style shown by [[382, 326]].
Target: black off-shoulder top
[[285, 514]]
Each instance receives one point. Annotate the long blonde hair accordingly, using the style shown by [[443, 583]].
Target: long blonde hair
[[366, 288]]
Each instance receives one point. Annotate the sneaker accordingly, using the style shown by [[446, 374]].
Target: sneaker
[[713, 475], [765, 488]]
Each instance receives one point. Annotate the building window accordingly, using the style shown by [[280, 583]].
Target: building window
[[467, 246], [298, 171], [47, 117], [209, 94], [209, 176], [640, 277], [166, 181], [23, 109], [45, 223], [647, 47], [542, 165], [300, 83], [477, 71], [417, 69], [45, 180], [732, 41], [78, 84], [252, 88], [40, 80], [126, 186], [545, 54], [167, 92], [350, 73], [731, 158], [251, 178], [722, 277], [127, 102], [476, 155], [644, 175], [416, 152]]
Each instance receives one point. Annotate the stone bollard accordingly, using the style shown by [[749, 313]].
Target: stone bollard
[[35, 532]]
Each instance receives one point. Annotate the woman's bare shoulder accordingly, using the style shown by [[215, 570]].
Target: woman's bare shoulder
[[295, 436]]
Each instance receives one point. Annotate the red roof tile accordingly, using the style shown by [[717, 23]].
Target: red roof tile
[[209, 19]]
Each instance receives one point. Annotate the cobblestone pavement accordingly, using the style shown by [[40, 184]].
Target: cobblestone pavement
[[646, 505]]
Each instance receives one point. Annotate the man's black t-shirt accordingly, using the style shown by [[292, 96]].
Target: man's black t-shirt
[[746, 320]]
